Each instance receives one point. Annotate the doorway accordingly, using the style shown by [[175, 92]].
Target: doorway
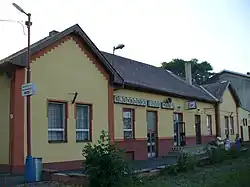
[[152, 133], [198, 129], [249, 132], [179, 130], [241, 133]]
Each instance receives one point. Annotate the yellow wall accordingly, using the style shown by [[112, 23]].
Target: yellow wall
[[228, 108], [4, 119], [58, 73], [244, 114], [165, 116]]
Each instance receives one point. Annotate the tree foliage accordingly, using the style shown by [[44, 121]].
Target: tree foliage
[[201, 71]]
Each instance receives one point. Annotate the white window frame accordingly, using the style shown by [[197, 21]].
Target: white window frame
[[127, 130], [131, 111], [63, 120], [210, 125], [89, 123]]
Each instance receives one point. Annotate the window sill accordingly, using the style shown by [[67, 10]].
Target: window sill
[[83, 141], [129, 139], [57, 141]]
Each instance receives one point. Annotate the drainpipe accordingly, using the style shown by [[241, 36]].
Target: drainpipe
[[217, 119], [237, 117]]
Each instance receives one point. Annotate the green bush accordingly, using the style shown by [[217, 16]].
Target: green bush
[[233, 152], [170, 170], [185, 162], [217, 155], [220, 154], [104, 164], [182, 162]]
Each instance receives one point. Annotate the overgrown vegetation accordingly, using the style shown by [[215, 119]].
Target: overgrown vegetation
[[222, 168], [234, 179], [105, 164], [220, 155], [185, 162]]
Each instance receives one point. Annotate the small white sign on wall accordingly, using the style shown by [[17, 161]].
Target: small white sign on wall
[[191, 105], [28, 89]]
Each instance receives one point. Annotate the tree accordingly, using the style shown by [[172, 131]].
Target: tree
[[200, 71]]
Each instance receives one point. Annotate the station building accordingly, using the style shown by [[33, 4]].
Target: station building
[[82, 91]]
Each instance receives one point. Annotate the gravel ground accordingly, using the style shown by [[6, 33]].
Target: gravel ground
[[152, 163], [139, 164], [47, 184], [7, 180]]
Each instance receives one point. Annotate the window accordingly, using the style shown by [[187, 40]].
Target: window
[[83, 122], [128, 123], [226, 125], [209, 124], [57, 121], [231, 125]]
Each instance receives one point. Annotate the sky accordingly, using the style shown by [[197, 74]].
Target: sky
[[217, 31]]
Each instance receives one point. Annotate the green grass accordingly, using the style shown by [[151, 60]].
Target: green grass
[[230, 173]]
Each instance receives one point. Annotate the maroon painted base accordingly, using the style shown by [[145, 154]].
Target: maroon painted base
[[138, 148], [164, 145], [59, 166], [5, 168], [191, 140]]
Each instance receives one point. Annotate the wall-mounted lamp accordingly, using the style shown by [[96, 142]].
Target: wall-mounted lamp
[[120, 46], [74, 98]]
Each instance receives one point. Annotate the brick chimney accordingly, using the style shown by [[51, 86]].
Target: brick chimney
[[53, 33]]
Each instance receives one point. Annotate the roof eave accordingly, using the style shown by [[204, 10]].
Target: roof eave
[[211, 95], [146, 89], [235, 95], [7, 66]]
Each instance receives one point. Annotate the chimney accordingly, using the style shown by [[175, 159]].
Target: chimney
[[188, 72], [53, 33]]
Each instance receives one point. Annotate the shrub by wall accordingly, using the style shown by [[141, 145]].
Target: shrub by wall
[[104, 164]]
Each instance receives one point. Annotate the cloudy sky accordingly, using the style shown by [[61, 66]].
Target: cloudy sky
[[217, 31]]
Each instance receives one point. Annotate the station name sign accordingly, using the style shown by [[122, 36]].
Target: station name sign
[[142, 102]]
